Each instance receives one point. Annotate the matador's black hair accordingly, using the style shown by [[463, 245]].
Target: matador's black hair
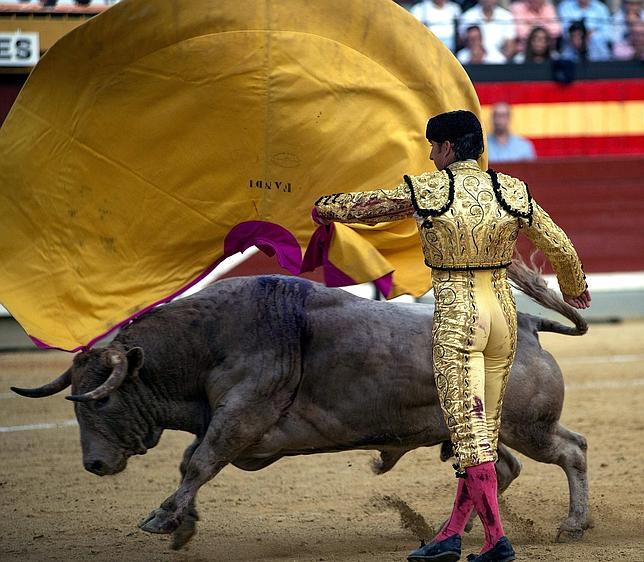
[[462, 128]]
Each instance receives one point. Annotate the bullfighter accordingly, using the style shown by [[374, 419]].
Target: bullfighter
[[468, 220]]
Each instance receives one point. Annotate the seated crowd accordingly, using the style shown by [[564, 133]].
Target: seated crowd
[[534, 31]]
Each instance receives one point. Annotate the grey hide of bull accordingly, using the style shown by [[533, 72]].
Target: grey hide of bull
[[259, 368]]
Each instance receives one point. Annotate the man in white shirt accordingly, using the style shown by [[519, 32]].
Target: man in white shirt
[[502, 145], [474, 51], [496, 24], [440, 16]]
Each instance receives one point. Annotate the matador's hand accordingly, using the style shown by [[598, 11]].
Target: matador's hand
[[582, 301]]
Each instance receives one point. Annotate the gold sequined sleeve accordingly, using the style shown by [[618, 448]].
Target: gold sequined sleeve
[[366, 207], [558, 248]]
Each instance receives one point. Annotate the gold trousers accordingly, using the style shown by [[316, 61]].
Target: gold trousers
[[474, 341]]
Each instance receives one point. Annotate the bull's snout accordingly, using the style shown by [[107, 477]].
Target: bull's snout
[[103, 468], [96, 467]]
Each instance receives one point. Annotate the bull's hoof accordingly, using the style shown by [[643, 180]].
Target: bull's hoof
[[160, 522], [567, 534], [185, 531], [572, 528]]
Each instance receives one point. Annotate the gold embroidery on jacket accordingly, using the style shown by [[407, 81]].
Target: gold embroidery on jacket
[[431, 192], [475, 232]]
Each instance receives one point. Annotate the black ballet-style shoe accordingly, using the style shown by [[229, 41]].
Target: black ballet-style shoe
[[502, 551], [448, 550]]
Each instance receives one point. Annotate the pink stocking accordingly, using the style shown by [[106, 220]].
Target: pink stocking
[[461, 512], [482, 486]]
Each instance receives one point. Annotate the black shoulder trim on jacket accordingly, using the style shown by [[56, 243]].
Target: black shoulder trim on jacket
[[414, 201], [450, 196], [499, 197], [432, 212]]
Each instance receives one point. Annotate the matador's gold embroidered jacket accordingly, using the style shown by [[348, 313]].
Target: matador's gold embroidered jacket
[[467, 219]]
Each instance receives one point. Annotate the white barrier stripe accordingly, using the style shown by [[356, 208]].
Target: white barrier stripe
[[601, 359], [607, 282], [59, 425], [606, 384]]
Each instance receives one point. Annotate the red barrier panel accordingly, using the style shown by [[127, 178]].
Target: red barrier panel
[[598, 201], [589, 146]]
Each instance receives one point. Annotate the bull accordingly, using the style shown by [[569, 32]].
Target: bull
[[259, 368]]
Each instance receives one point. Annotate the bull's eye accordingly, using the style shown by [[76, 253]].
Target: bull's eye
[[101, 402]]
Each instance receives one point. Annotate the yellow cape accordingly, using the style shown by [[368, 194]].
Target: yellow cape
[[159, 137]]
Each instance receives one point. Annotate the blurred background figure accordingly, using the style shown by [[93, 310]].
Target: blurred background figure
[[595, 33], [502, 145], [441, 17], [632, 46], [475, 52], [537, 48], [623, 22], [579, 45], [529, 14], [576, 45], [496, 25], [629, 12]]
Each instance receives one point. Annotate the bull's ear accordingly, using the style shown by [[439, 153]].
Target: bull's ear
[[135, 359]]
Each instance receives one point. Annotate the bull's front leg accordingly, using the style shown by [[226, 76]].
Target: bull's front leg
[[235, 426], [188, 526]]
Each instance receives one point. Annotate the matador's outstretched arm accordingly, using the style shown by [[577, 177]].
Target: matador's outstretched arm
[[366, 207]]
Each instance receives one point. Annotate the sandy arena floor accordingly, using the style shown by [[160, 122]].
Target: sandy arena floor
[[322, 507]]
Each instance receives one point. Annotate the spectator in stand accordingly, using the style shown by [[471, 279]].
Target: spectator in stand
[[496, 25], [475, 52], [537, 48], [632, 46], [529, 14], [441, 17], [596, 21], [502, 145], [637, 40], [579, 46], [624, 18]]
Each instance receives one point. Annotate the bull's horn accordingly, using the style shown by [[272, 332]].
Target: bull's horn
[[63, 381], [117, 376]]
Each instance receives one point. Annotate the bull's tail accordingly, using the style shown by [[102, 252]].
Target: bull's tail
[[528, 279]]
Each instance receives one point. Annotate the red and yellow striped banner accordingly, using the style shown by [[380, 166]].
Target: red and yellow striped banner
[[583, 118]]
